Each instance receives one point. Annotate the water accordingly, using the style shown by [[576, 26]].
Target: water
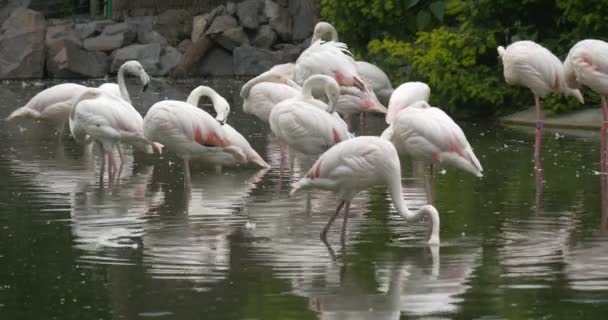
[[515, 245]]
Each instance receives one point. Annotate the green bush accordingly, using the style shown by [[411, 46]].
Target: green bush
[[455, 52]]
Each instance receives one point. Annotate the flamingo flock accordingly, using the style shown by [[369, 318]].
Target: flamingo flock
[[308, 106]]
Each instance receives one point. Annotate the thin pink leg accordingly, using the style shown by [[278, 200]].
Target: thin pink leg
[[539, 120], [103, 168], [604, 130], [121, 154], [344, 223], [187, 180], [362, 121], [538, 169]]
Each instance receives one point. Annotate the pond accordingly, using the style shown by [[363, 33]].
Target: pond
[[516, 244]]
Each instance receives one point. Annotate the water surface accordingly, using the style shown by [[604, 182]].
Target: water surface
[[516, 244]]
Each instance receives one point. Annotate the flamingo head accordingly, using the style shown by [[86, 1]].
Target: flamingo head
[[321, 29], [135, 68], [222, 109]]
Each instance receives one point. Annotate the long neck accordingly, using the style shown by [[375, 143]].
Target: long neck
[[199, 92], [264, 77], [395, 191], [124, 93]]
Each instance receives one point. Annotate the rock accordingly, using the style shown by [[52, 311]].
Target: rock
[[200, 25], [174, 25], [22, 45], [305, 15], [8, 6], [143, 27], [221, 24], [217, 62], [114, 36], [264, 38], [104, 42], [71, 61], [122, 28], [184, 45], [85, 30], [281, 24], [247, 12], [230, 8], [153, 37], [271, 9], [231, 38], [147, 54], [291, 51], [250, 61], [59, 33], [169, 59]]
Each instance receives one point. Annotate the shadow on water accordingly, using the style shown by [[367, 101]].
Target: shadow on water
[[526, 241]]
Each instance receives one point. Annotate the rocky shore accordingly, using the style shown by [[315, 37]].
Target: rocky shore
[[241, 39]]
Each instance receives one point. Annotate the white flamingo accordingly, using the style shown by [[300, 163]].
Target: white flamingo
[[355, 165], [406, 94], [372, 75], [302, 123], [263, 92], [329, 58], [130, 67], [353, 100], [427, 133], [529, 64], [191, 133], [49, 105], [234, 137], [104, 118], [587, 64]]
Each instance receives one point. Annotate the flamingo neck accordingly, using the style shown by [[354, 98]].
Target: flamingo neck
[[428, 210], [199, 92], [124, 93], [264, 77]]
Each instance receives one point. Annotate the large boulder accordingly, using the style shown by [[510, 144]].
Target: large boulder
[[174, 24], [281, 22], [143, 27], [22, 45], [147, 54], [71, 61], [305, 15], [169, 59], [226, 32], [247, 12], [265, 37], [250, 61], [114, 36], [8, 6], [200, 25], [217, 62]]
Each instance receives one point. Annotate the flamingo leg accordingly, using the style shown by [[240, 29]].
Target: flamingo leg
[[331, 220], [604, 147], [603, 152], [344, 223], [187, 181], [538, 169], [121, 154], [362, 121], [539, 120], [103, 168]]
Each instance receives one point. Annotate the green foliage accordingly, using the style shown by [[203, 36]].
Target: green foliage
[[452, 44]]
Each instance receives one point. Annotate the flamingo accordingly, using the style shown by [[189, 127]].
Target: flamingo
[[130, 67], [191, 133], [49, 105], [355, 165], [304, 125], [429, 134], [352, 100], [371, 74], [234, 137], [406, 94], [104, 118], [532, 65], [263, 92], [330, 58], [587, 64]]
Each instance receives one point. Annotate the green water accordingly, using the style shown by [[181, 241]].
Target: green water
[[515, 244]]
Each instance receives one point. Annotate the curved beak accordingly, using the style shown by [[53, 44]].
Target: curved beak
[[145, 87], [145, 80], [222, 122]]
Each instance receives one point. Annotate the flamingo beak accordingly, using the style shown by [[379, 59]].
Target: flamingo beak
[[359, 84]]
